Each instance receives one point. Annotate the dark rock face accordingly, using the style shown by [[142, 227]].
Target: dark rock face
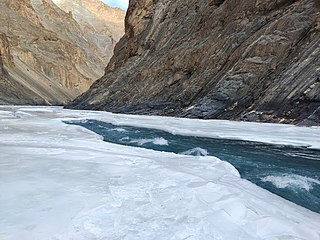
[[244, 60]]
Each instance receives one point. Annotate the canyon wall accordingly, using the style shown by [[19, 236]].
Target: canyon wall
[[226, 59], [52, 56]]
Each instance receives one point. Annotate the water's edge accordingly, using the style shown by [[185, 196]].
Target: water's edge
[[290, 172]]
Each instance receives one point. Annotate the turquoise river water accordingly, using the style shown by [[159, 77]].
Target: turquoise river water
[[290, 172]]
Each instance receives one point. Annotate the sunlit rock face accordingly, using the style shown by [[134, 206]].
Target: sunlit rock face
[[103, 25], [244, 60], [50, 53]]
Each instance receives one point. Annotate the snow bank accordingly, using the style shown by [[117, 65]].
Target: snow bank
[[284, 134], [63, 182]]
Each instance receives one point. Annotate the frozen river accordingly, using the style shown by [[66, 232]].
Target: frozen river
[[290, 172], [63, 182]]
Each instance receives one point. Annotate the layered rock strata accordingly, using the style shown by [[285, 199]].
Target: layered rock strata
[[225, 59], [52, 58]]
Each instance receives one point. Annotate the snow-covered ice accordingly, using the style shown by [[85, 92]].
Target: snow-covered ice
[[196, 151], [62, 182], [259, 132]]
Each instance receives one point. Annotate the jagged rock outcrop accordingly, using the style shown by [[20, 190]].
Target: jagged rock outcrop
[[53, 59], [229, 59]]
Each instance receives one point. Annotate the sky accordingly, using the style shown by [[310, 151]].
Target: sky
[[123, 4]]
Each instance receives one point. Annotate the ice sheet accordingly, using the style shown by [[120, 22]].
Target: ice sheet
[[285, 134], [62, 182]]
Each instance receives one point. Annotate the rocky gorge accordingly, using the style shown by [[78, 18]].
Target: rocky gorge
[[225, 59], [48, 54]]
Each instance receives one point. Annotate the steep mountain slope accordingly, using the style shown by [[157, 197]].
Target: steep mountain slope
[[11, 91], [52, 58], [100, 22], [231, 59]]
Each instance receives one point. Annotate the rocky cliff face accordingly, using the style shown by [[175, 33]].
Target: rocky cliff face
[[48, 53], [103, 25], [11, 91], [227, 59]]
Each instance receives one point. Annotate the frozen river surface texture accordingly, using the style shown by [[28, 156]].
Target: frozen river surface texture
[[62, 182]]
